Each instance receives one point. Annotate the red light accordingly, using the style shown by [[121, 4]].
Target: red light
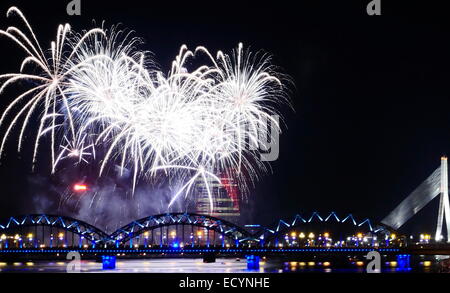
[[80, 187]]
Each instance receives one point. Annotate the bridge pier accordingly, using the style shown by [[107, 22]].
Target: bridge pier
[[403, 261], [209, 258], [109, 262], [252, 262]]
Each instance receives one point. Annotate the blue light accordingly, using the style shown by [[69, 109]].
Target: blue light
[[252, 262], [403, 261], [109, 262]]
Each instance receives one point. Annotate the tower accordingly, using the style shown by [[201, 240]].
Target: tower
[[435, 185], [444, 206], [225, 197]]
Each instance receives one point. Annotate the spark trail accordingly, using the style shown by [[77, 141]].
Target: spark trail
[[101, 99]]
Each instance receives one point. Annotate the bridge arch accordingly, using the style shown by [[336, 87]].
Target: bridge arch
[[85, 231], [234, 234], [303, 220], [151, 223]]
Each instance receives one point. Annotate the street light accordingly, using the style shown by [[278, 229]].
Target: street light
[[2, 238], [199, 237]]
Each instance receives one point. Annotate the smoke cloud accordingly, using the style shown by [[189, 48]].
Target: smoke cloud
[[108, 203]]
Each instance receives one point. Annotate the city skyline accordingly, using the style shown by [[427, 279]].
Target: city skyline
[[377, 144]]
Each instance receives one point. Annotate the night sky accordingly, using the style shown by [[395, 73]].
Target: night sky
[[371, 97]]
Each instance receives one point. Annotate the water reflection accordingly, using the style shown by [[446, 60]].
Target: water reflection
[[227, 265]]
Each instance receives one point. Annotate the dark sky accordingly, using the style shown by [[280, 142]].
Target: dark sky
[[371, 94]]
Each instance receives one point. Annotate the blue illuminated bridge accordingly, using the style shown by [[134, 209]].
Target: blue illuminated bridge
[[188, 234]]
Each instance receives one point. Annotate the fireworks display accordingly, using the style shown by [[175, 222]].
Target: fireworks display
[[98, 98]]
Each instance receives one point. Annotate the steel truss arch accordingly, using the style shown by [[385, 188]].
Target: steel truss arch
[[89, 232], [283, 226], [140, 226]]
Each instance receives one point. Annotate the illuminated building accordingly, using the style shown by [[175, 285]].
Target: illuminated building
[[225, 198]]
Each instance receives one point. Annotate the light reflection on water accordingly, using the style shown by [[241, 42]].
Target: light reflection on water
[[198, 266]]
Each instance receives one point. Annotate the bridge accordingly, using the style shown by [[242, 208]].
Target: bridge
[[435, 185], [168, 230], [189, 234], [41, 236]]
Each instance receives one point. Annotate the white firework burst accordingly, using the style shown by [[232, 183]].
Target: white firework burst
[[98, 90]]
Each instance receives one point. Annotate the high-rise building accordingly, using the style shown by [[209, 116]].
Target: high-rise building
[[225, 198]]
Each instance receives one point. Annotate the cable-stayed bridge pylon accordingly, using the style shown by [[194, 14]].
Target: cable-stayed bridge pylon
[[436, 184]]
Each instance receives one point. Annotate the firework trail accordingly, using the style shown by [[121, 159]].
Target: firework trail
[[101, 99]]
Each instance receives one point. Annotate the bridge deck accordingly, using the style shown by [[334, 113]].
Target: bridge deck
[[197, 251]]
